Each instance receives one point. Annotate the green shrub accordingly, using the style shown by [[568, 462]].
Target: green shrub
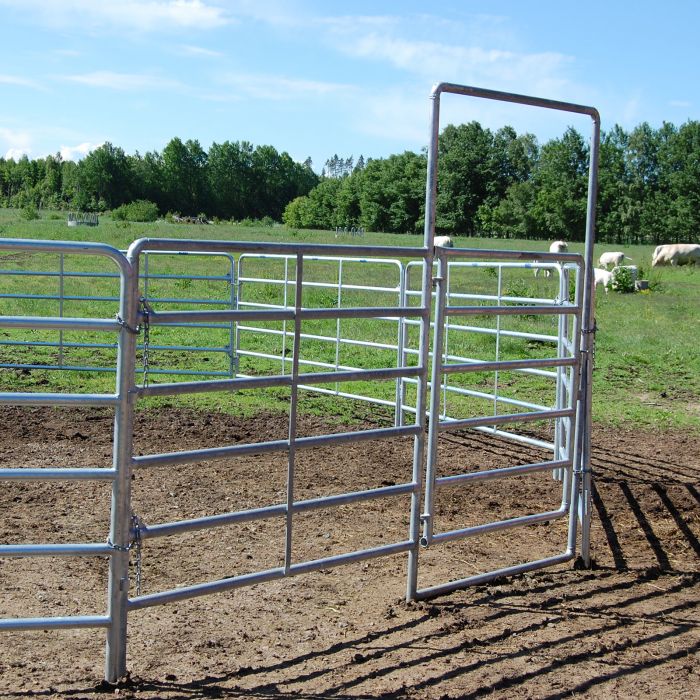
[[622, 280], [29, 212], [139, 210]]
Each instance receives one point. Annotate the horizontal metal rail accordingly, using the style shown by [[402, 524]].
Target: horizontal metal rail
[[60, 323], [498, 525], [56, 550], [310, 378], [18, 624], [508, 365], [482, 421], [186, 592], [160, 317], [57, 474], [215, 453], [50, 399], [442, 589], [226, 519], [539, 310], [503, 472]]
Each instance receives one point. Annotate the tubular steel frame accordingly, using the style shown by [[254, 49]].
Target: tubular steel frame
[[126, 529], [146, 279]]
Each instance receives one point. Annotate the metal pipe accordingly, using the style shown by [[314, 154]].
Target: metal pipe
[[508, 365], [120, 523], [291, 249], [47, 399], [57, 474], [88, 549], [503, 472], [433, 591], [498, 525], [539, 310], [159, 318], [529, 417], [18, 624], [59, 323]]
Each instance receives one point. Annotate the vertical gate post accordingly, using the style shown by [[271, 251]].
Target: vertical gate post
[[120, 522], [423, 348], [587, 347]]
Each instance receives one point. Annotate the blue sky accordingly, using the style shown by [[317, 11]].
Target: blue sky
[[316, 78]]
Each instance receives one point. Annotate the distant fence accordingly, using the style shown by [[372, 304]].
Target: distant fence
[[85, 218]]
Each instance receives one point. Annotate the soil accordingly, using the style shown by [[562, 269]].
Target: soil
[[628, 627]]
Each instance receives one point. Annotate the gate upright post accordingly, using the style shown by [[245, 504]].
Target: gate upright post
[[120, 523], [423, 348]]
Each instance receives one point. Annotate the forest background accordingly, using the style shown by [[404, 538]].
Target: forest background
[[493, 184]]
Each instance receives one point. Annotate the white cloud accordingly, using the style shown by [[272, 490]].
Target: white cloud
[[139, 15], [17, 143], [19, 81], [188, 50], [680, 103], [121, 81], [16, 154], [274, 87], [79, 151]]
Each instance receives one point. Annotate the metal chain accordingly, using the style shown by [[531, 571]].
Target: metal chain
[[145, 312], [136, 544]]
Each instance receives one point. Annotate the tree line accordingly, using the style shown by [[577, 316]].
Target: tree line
[[505, 184], [232, 180], [489, 184]]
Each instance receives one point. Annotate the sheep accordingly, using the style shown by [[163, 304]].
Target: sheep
[[602, 277], [443, 242], [614, 258], [676, 254], [555, 247]]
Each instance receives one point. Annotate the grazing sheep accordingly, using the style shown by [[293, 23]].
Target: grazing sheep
[[602, 277], [443, 242], [614, 258], [555, 247], [676, 254]]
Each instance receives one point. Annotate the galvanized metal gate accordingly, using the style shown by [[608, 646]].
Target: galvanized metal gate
[[571, 368]]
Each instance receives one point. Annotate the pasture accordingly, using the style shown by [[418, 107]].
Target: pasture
[[625, 628], [647, 362]]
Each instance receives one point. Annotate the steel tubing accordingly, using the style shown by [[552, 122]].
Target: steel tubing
[[215, 453], [476, 530], [441, 589], [47, 399], [458, 424], [508, 365], [200, 589], [46, 623], [540, 310], [57, 550], [491, 474], [59, 323], [57, 474]]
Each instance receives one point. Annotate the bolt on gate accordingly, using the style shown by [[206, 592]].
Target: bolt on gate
[[569, 369]]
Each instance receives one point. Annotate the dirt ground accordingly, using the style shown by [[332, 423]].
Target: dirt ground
[[627, 628]]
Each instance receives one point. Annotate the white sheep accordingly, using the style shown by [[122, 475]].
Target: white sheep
[[555, 247], [443, 242], [602, 277], [615, 258]]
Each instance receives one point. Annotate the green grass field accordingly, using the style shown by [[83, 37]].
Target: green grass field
[[647, 362]]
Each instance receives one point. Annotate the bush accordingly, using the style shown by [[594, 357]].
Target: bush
[[29, 212], [622, 280], [139, 210]]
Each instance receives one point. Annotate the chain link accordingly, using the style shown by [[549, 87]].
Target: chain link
[[145, 312], [136, 544]]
